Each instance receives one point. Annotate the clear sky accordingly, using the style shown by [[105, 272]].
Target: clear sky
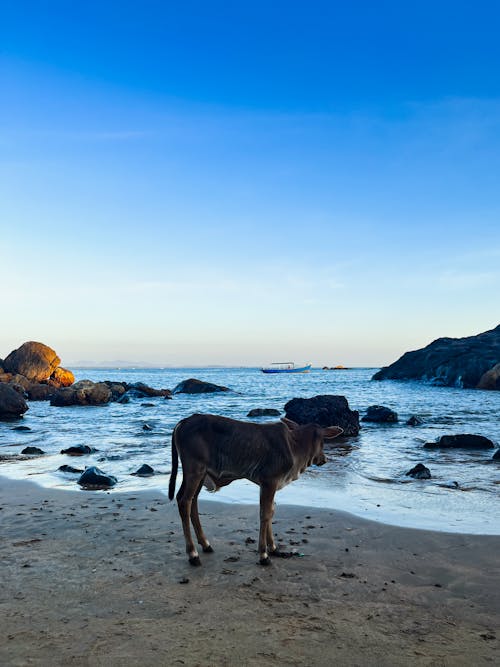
[[240, 183]]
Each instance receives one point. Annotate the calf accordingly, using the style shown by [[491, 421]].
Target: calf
[[215, 451]]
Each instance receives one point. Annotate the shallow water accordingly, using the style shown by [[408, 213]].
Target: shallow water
[[365, 476]]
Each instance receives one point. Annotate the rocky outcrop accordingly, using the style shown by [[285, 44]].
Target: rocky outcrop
[[61, 377], [461, 441], [41, 392], [12, 403], [193, 386], [414, 420], [380, 414], [264, 412], [457, 362], [84, 392], [35, 361], [491, 379], [141, 390], [325, 410]]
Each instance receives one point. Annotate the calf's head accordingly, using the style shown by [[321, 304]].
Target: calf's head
[[313, 436]]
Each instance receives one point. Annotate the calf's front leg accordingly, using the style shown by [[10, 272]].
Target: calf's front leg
[[267, 492]]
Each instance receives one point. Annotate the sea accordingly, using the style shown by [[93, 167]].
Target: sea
[[365, 475]]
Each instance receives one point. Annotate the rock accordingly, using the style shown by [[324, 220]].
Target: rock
[[325, 410], [61, 377], [144, 471], [264, 412], [414, 420], [491, 379], [461, 441], [12, 404], [21, 428], [117, 389], [457, 362], [19, 388], [496, 455], [21, 381], [123, 399], [84, 392], [147, 427], [380, 414], [142, 390], [95, 478], [419, 472], [33, 451], [78, 450], [147, 405], [193, 386], [66, 468], [5, 377], [450, 484], [35, 361], [41, 392]]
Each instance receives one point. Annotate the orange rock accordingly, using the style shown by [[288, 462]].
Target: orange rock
[[61, 377]]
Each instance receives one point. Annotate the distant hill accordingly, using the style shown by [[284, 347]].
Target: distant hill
[[472, 362]]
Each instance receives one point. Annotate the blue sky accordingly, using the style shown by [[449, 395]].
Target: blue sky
[[233, 183]]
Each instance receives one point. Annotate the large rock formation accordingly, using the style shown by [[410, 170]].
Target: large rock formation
[[193, 386], [84, 392], [12, 404], [325, 410], [35, 361], [457, 362]]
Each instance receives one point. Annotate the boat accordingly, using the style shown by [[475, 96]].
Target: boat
[[286, 367]]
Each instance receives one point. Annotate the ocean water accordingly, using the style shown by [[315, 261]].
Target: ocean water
[[364, 475]]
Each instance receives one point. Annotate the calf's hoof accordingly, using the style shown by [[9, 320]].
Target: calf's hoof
[[195, 560], [265, 561], [208, 549]]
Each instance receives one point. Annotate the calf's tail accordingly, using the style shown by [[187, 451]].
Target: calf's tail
[[175, 465]]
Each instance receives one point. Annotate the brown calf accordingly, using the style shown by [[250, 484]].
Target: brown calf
[[215, 451]]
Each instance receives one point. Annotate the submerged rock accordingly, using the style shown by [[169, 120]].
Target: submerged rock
[[380, 414], [324, 410], [12, 403], [144, 471], [78, 450], [66, 468], [33, 451], [419, 472], [194, 386], [496, 455], [21, 428], [147, 427], [264, 412], [461, 441], [414, 420], [95, 478], [142, 390]]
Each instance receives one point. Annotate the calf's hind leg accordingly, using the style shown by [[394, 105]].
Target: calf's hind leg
[[195, 519], [267, 492], [185, 496]]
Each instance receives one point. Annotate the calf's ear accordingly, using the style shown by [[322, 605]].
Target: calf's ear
[[291, 425], [332, 432]]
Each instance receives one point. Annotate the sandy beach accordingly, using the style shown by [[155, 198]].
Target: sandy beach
[[102, 579]]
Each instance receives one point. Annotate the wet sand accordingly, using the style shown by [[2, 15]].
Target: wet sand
[[102, 579]]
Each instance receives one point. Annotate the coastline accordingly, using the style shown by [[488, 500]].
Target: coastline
[[94, 578]]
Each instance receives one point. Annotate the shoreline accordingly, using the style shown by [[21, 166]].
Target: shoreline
[[95, 578]]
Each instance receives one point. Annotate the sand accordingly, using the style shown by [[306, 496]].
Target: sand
[[92, 578]]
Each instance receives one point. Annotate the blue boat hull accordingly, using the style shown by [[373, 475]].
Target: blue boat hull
[[303, 369]]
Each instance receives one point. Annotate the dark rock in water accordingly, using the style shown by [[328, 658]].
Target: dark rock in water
[[147, 427], [414, 420], [380, 414], [35, 361], [459, 362], [21, 428], [142, 389], [419, 472], [84, 392], [144, 471], [78, 450], [147, 405], [41, 392], [12, 404], [117, 389], [93, 477], [264, 412], [70, 469], [450, 484], [193, 386], [461, 441], [33, 451], [496, 455], [123, 399], [325, 410]]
